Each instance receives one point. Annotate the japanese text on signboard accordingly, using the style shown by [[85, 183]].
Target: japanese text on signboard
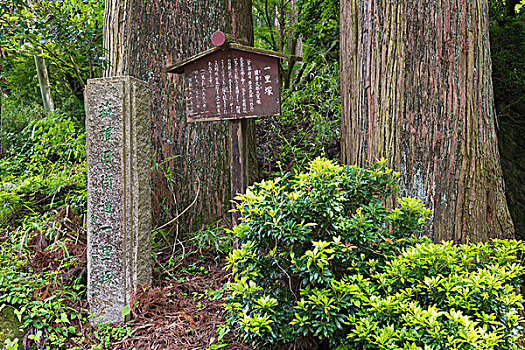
[[232, 84]]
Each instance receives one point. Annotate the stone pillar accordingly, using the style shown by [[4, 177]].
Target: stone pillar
[[118, 141]]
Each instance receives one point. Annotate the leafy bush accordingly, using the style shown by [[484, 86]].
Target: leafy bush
[[301, 233], [53, 139], [42, 146], [437, 296], [322, 260], [48, 190], [16, 116]]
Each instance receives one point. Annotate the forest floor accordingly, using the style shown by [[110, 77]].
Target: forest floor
[[183, 309]]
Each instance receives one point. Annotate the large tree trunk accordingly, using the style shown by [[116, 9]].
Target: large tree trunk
[[143, 38], [115, 25], [416, 89]]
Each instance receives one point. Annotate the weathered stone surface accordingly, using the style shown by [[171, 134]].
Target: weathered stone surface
[[118, 129]]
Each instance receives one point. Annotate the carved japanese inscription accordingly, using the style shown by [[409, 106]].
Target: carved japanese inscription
[[119, 193], [232, 84]]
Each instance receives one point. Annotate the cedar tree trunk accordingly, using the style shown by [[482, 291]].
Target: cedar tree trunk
[[416, 89], [191, 160]]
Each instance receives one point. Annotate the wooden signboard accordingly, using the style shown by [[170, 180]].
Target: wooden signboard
[[232, 82]]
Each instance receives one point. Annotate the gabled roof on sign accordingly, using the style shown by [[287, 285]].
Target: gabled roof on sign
[[179, 66]]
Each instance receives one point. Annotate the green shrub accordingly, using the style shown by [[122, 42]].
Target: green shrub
[[53, 139], [302, 233], [17, 115], [43, 146], [322, 260], [437, 296]]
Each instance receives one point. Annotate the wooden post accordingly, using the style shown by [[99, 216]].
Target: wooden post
[[239, 164], [237, 142]]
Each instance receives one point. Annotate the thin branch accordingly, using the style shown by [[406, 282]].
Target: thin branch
[[178, 216], [77, 71], [55, 56], [162, 266], [270, 24]]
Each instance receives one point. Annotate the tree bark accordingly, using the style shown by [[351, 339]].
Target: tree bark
[[142, 39], [43, 80], [114, 36], [416, 89]]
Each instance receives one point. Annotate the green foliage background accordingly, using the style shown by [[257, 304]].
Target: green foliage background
[[507, 44], [67, 33], [444, 287]]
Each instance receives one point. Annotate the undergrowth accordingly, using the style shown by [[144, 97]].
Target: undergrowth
[[308, 126], [42, 234]]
